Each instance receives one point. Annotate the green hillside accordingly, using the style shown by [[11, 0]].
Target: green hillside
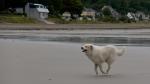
[[122, 6]]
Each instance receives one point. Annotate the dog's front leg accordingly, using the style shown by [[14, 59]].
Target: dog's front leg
[[101, 69], [96, 65]]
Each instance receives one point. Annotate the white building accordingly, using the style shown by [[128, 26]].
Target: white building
[[36, 11], [142, 16], [66, 16], [138, 16], [131, 15], [88, 13], [19, 10]]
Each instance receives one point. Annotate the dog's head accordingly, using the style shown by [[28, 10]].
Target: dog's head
[[87, 48]]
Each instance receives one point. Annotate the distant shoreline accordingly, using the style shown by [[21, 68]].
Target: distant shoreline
[[4, 26]]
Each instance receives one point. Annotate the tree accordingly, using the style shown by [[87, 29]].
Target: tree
[[15, 3], [2, 4], [106, 12], [75, 6], [99, 4], [72, 6]]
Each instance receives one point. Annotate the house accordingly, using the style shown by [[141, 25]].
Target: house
[[142, 16], [36, 11], [66, 16], [132, 16], [19, 10], [138, 16], [114, 13], [88, 13]]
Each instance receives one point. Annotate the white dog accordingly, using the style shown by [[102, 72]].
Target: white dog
[[102, 54]]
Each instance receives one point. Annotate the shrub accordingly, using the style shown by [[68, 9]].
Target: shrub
[[109, 19], [125, 19]]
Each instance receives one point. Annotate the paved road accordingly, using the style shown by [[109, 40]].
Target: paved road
[[27, 62]]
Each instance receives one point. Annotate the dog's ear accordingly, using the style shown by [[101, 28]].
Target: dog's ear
[[91, 47]]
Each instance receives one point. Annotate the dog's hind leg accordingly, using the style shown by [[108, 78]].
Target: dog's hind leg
[[109, 67], [96, 65], [109, 62]]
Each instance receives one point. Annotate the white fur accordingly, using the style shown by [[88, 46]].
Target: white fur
[[102, 54]]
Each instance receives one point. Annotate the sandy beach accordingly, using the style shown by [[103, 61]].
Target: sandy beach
[[30, 62]]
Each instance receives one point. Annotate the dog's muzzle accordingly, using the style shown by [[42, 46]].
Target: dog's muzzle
[[83, 50]]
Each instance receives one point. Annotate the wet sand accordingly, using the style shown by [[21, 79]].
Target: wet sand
[[26, 62]]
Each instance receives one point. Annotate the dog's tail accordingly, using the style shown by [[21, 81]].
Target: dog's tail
[[120, 51]]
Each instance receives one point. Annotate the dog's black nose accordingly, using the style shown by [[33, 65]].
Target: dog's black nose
[[82, 48]]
